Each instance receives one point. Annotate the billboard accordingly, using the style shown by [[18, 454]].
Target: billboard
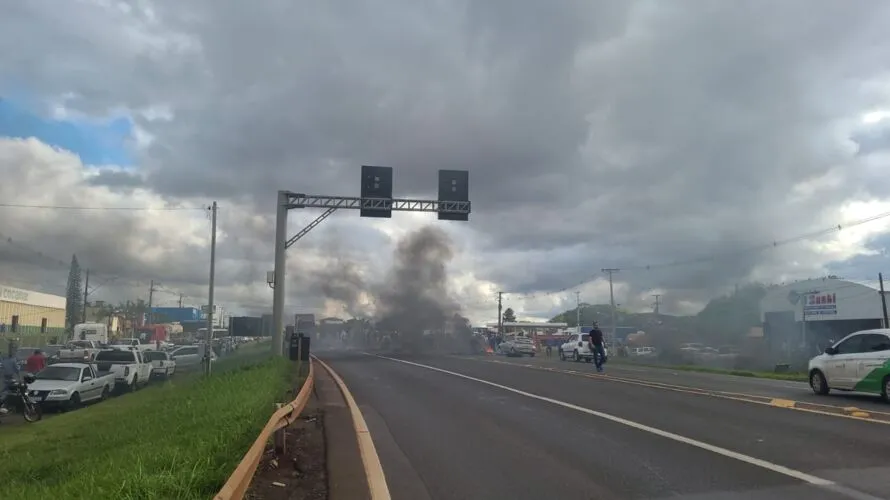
[[246, 326]]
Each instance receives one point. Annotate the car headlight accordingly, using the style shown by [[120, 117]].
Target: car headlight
[[59, 392]]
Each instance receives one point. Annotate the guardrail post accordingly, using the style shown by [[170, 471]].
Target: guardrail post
[[279, 439]]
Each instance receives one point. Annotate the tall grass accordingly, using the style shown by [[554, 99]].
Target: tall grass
[[179, 440]]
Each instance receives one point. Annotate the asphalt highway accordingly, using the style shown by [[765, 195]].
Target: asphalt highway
[[455, 428], [789, 390]]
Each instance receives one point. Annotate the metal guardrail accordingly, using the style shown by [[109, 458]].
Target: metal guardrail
[[237, 484]]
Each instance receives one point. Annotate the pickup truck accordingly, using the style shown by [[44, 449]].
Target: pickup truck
[[131, 342], [162, 364], [79, 351], [69, 385], [130, 370]]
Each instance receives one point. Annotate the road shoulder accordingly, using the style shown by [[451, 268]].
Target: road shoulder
[[347, 479], [301, 471]]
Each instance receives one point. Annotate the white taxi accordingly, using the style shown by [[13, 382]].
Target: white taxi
[[859, 362]]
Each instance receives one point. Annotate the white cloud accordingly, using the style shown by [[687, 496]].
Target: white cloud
[[598, 134]]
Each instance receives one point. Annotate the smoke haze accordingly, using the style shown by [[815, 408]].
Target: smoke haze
[[412, 297]]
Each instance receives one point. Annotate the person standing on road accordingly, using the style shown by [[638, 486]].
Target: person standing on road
[[35, 362], [596, 346]]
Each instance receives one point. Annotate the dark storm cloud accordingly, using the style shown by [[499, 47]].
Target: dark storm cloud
[[597, 134]]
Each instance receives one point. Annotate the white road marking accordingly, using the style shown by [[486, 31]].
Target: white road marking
[[757, 462]]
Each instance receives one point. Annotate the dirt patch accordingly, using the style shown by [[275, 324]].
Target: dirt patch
[[300, 473]]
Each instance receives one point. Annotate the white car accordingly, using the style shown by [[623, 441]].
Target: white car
[[860, 362], [68, 385], [190, 356], [577, 348]]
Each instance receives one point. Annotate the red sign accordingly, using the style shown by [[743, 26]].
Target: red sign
[[826, 298]]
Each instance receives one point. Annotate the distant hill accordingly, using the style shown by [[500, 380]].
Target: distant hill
[[723, 320]]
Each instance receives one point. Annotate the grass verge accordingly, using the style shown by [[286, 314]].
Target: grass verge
[[179, 440], [794, 376]]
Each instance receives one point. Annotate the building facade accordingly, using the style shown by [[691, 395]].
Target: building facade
[[32, 317], [810, 314]]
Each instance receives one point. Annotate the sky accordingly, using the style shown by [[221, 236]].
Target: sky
[[694, 146]]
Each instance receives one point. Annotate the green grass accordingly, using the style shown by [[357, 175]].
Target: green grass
[[793, 376], [179, 440]]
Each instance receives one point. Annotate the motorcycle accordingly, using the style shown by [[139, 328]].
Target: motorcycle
[[18, 398]]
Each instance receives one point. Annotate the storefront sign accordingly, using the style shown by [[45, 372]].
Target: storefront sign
[[13, 294], [824, 304]]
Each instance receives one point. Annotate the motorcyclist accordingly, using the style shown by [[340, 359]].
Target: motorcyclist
[[597, 344], [10, 374]]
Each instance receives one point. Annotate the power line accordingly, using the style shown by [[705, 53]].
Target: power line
[[123, 209], [703, 259]]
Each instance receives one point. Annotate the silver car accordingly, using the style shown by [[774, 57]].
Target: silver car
[[519, 346]]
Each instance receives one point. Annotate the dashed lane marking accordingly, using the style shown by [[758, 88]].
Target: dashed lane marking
[[816, 408], [783, 403]]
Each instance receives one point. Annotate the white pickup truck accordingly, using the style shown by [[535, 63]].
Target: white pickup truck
[[131, 342], [162, 364], [130, 370], [69, 385], [79, 351]]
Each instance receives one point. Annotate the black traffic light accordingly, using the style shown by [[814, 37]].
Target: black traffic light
[[454, 185], [377, 183]]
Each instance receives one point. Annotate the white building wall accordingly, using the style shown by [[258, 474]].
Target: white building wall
[[837, 300]]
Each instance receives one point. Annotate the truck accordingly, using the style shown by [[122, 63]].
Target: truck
[[135, 343], [92, 332], [69, 385], [81, 351], [128, 366], [162, 364]]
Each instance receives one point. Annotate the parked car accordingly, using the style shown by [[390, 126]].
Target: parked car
[[128, 366], [162, 364], [518, 346], [577, 348], [69, 385], [79, 351], [190, 356]]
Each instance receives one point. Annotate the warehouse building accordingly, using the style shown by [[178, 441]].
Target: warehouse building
[[807, 315], [33, 317]]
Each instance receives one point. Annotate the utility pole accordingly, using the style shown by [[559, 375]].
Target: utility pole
[[805, 297], [883, 299], [611, 271], [86, 295], [208, 344], [657, 302], [151, 295], [280, 262], [578, 310], [500, 315]]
